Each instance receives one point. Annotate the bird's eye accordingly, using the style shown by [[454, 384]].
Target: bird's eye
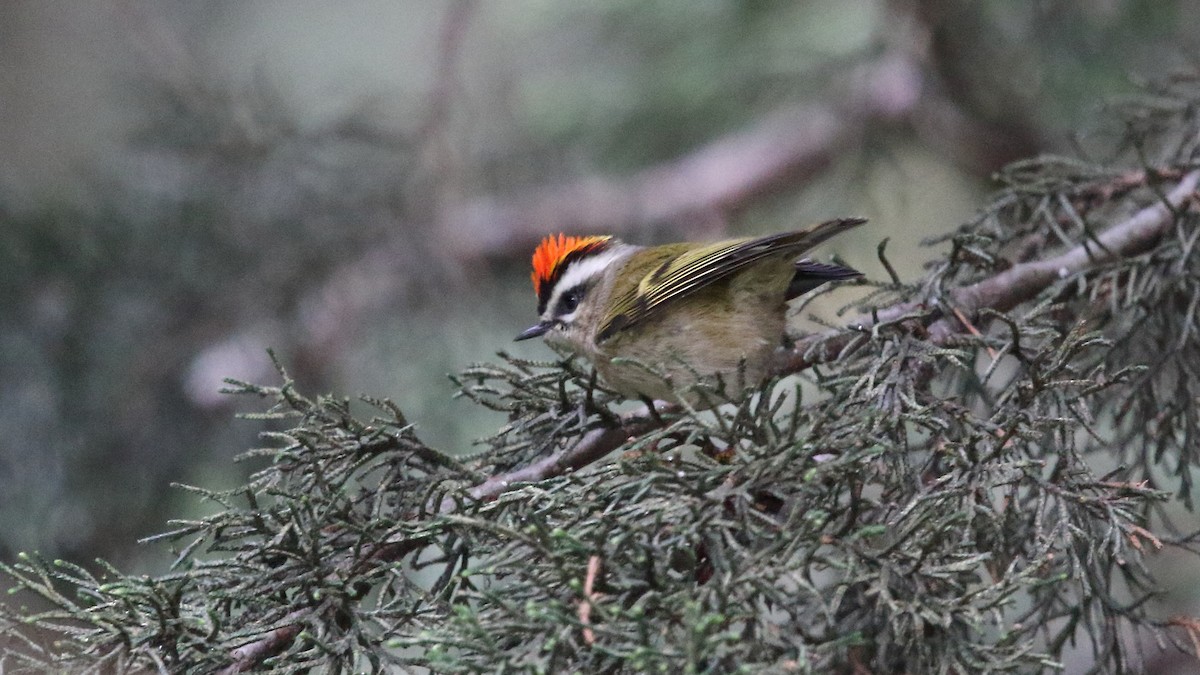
[[569, 301]]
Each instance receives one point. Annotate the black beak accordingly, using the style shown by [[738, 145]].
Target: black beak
[[533, 331]]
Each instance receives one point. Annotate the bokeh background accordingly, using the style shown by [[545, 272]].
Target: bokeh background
[[358, 185]]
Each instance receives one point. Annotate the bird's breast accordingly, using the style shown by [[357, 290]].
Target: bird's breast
[[725, 330]]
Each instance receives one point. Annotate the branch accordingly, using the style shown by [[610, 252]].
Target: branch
[[784, 148], [1013, 286], [594, 445], [1022, 282], [1000, 292], [247, 657]]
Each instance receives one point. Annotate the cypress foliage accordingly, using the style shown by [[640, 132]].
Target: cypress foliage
[[968, 479]]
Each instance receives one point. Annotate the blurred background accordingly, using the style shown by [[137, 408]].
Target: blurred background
[[358, 185]]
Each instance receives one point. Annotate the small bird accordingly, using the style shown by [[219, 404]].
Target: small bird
[[656, 320]]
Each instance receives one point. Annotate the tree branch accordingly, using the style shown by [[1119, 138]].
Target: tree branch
[[1022, 282], [248, 656], [1000, 292], [785, 147]]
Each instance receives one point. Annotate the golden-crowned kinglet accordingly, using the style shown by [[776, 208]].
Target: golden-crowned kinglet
[[654, 319]]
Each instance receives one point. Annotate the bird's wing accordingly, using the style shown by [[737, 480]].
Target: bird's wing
[[810, 275], [684, 274]]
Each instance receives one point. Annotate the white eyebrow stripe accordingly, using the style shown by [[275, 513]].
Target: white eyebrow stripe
[[579, 272]]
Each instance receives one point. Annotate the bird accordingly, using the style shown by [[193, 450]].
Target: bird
[[656, 321]]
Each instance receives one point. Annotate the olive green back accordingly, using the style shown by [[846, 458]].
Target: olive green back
[[678, 270]]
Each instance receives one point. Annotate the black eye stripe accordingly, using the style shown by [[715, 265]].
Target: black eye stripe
[[569, 300]]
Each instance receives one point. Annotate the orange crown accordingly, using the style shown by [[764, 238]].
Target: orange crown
[[550, 255]]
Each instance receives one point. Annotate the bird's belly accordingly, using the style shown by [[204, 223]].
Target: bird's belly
[[673, 351]]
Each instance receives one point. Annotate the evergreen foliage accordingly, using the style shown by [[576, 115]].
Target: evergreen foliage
[[936, 501]]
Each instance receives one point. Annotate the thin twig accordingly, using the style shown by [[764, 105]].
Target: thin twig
[[972, 329], [585, 605], [248, 656], [1191, 626]]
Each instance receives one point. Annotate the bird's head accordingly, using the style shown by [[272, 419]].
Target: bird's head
[[565, 270]]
